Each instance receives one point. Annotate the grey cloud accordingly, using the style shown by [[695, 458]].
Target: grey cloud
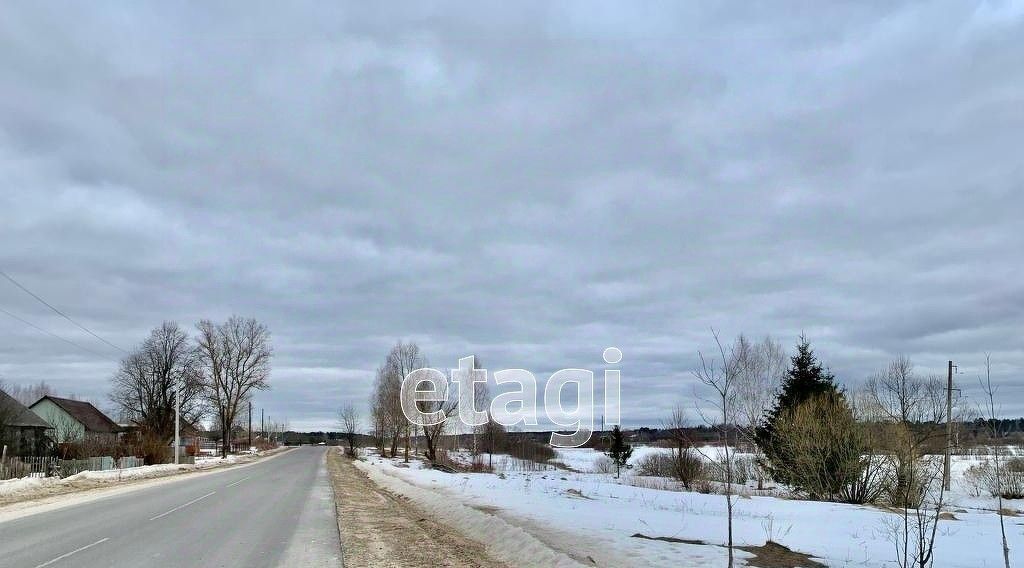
[[531, 183]]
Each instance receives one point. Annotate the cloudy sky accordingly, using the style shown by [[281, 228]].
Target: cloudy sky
[[528, 182]]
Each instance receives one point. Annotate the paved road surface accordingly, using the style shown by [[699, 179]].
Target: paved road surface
[[276, 512]]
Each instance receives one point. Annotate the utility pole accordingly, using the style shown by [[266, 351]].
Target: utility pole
[[250, 425], [949, 428], [177, 420], [263, 426]]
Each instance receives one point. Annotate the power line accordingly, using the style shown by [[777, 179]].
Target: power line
[[60, 313], [51, 334]]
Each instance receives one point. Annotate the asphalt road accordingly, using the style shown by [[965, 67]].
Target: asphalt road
[[275, 512]]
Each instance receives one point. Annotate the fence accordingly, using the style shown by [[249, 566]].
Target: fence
[[15, 467]]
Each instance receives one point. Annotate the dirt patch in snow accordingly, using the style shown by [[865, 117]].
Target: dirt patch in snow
[[669, 539], [381, 529], [774, 555]]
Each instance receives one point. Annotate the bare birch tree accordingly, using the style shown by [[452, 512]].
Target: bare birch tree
[[379, 415], [990, 412], [388, 422], [29, 394], [403, 359], [481, 402], [719, 373], [760, 367]]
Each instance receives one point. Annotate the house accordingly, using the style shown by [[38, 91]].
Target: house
[[21, 430], [75, 420], [193, 436]]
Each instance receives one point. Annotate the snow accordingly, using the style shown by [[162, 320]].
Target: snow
[[21, 485], [503, 540], [584, 460], [577, 515], [29, 485]]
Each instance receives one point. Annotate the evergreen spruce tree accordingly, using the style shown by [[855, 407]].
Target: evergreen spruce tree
[[806, 378], [619, 450]]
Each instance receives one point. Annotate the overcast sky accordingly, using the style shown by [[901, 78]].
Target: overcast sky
[[528, 182]]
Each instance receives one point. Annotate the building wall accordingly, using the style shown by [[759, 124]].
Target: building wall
[[65, 427], [24, 441]]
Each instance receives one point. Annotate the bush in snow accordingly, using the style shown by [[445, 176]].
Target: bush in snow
[[686, 467], [822, 447], [981, 478], [656, 465], [604, 464], [524, 448], [743, 469]]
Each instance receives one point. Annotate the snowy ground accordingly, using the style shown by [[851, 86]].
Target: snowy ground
[[28, 487], [591, 518]]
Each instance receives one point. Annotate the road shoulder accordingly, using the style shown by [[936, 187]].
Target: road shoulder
[[379, 528]]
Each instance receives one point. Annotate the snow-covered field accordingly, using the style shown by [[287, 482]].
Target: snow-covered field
[[590, 518]]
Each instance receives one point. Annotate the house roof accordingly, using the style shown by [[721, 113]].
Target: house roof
[[84, 412], [19, 414]]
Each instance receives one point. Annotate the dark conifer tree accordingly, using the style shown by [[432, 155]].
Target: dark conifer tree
[[619, 450], [806, 378]]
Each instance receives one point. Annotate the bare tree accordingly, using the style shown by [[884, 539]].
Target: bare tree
[[481, 401], [348, 419], [685, 463], [989, 412], [719, 374], [913, 532], [29, 394], [494, 436], [235, 362], [760, 368], [403, 359], [445, 408], [379, 415], [912, 407], [145, 383]]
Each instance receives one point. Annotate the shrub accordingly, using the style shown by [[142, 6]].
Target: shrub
[[821, 447], [656, 465], [743, 469], [1012, 474], [686, 467], [1010, 483], [604, 464], [526, 449]]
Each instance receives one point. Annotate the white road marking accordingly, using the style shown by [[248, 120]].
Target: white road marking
[[239, 481], [63, 556], [179, 507]]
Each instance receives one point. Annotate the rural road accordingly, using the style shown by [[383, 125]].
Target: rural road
[[276, 512]]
